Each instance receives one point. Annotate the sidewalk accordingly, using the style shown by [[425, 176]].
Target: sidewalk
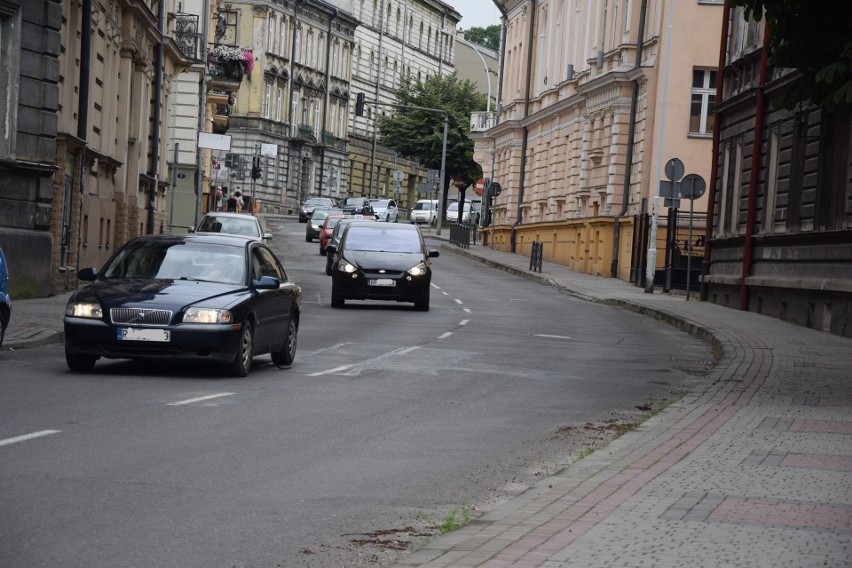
[[753, 471]]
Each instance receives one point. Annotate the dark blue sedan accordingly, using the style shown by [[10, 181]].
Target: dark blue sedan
[[202, 297]]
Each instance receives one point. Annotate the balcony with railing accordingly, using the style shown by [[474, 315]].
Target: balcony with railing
[[482, 121], [186, 34], [227, 65]]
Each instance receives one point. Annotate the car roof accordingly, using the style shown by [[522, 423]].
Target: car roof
[[212, 238]]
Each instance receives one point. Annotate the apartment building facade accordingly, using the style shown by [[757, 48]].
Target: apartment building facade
[[780, 242], [595, 98], [394, 38], [94, 78]]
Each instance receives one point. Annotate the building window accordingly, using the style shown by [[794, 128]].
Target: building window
[[703, 102], [226, 28], [10, 46]]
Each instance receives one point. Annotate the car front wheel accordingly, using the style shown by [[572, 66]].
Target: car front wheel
[[241, 364], [422, 304], [337, 300], [80, 363], [287, 354]]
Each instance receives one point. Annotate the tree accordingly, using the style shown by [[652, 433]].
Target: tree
[[418, 135], [815, 39], [486, 37]]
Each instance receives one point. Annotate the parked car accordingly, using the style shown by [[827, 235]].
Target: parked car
[[334, 239], [232, 224], [317, 218], [424, 211], [453, 212], [5, 300], [309, 205], [381, 262], [385, 210], [205, 297], [326, 229], [357, 206]]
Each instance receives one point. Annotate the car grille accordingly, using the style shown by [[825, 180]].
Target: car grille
[[140, 316]]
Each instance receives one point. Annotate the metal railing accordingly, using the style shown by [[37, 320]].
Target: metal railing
[[536, 256], [462, 234]]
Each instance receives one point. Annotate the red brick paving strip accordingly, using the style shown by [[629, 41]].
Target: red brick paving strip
[[785, 514]]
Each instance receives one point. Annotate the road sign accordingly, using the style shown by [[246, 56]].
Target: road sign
[[692, 186], [398, 176], [479, 186], [432, 176], [674, 169], [668, 188], [459, 183]]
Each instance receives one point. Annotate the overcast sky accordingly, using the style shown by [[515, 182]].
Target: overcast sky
[[476, 13]]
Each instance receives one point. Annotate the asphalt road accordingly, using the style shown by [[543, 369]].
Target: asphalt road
[[389, 419]]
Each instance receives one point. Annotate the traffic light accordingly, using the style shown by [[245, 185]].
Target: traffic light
[[255, 168], [359, 104]]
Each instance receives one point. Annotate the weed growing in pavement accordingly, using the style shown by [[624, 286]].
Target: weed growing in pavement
[[455, 518]]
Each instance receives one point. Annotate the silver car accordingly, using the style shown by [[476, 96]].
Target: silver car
[[385, 210]]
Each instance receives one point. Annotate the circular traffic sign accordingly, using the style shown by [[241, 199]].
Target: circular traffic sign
[[674, 169], [479, 186], [692, 186]]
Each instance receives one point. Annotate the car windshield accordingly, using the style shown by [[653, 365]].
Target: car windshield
[[319, 201], [455, 207], [320, 214], [379, 203], [242, 225], [332, 223], [170, 260], [380, 239], [355, 201], [423, 205]]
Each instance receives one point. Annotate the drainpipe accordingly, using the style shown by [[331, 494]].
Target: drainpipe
[[83, 108], [757, 145], [155, 143], [521, 184], [327, 97], [202, 112], [714, 175], [631, 134], [376, 97], [290, 116]]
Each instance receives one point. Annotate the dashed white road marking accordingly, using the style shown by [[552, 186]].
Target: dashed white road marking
[[445, 335], [25, 437], [436, 287], [463, 322], [445, 293], [201, 398], [551, 336], [458, 301], [330, 371], [466, 310], [407, 350]]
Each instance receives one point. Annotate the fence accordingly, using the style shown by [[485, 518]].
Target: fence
[[462, 234], [536, 256]]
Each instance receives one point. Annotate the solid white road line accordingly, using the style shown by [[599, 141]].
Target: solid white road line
[[25, 437], [201, 398], [330, 371]]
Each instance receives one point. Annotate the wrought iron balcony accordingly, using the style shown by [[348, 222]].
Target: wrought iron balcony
[[186, 34]]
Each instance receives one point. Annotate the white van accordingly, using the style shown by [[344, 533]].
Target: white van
[[424, 211]]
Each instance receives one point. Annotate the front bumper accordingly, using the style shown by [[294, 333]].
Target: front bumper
[[207, 342]]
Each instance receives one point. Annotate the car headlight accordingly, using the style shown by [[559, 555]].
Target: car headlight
[[345, 266], [418, 270], [207, 315], [84, 310]]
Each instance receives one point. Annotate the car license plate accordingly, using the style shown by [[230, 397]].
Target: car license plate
[[134, 334], [382, 282]]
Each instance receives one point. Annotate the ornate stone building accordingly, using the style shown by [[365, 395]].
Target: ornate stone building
[[394, 38], [594, 98], [90, 140], [781, 238]]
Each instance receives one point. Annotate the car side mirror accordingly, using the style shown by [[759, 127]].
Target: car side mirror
[[267, 236], [433, 253], [88, 274], [330, 249], [267, 283]]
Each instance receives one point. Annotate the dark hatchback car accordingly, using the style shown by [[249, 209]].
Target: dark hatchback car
[[309, 205], [215, 298], [337, 232], [357, 206], [315, 221], [378, 261]]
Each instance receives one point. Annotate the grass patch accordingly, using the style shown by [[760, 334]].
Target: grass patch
[[455, 518]]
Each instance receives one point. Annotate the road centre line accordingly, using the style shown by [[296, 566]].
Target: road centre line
[[200, 398], [463, 322], [445, 293], [435, 286], [466, 310], [551, 336], [458, 301], [407, 350], [25, 437], [445, 335]]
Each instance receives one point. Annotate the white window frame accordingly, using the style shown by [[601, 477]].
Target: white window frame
[[706, 91]]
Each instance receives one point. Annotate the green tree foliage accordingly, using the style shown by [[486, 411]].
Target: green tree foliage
[[486, 37], [814, 38], [418, 135]]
